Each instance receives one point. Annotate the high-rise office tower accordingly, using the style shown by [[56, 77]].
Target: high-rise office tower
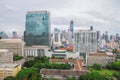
[[37, 28]]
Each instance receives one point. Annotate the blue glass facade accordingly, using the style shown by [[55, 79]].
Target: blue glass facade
[[37, 28]]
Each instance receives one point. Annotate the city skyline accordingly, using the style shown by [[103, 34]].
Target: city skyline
[[103, 15]]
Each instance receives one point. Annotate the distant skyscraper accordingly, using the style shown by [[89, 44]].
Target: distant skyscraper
[[98, 35], [57, 37], [37, 28], [71, 28], [15, 36], [117, 37], [103, 36], [106, 36], [3, 35]]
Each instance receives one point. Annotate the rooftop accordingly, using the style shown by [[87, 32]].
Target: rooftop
[[8, 65], [62, 72], [11, 40], [97, 54], [35, 46], [37, 12]]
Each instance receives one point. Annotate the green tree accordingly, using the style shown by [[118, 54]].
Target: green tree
[[41, 59], [117, 75], [92, 76], [26, 73], [17, 57], [10, 78], [96, 66], [29, 64], [71, 78], [114, 65], [36, 76]]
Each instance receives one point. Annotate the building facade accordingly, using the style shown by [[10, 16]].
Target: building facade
[[9, 69], [13, 45], [6, 56], [100, 58], [85, 41], [37, 28], [35, 51], [57, 38]]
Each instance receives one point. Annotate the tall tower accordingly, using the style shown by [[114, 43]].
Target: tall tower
[[71, 28], [37, 28], [106, 36], [15, 36]]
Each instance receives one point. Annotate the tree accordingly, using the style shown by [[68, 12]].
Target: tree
[[96, 66], [26, 73], [71, 78], [10, 78], [92, 76], [29, 64], [117, 75], [17, 57], [36, 76], [114, 65]]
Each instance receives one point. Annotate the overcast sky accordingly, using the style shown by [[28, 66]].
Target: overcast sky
[[104, 15]]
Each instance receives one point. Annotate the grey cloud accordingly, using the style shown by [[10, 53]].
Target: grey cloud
[[102, 14]]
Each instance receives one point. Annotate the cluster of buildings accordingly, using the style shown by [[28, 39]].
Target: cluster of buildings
[[39, 41], [7, 65]]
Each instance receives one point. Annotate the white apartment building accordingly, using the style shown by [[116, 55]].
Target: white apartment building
[[57, 39], [85, 41], [13, 45], [6, 56], [35, 51]]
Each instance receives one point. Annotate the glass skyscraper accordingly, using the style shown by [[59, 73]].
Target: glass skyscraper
[[37, 31]]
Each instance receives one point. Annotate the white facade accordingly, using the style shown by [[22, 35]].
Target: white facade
[[85, 41], [6, 56], [35, 51], [61, 54], [57, 39]]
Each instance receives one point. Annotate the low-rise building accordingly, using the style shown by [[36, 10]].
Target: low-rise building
[[13, 45], [61, 54], [62, 74], [10, 69], [6, 56], [100, 58], [35, 51]]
